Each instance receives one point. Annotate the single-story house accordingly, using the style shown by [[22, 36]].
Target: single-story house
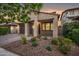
[[46, 24]]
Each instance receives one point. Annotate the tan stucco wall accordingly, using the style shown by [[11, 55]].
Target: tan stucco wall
[[42, 16]]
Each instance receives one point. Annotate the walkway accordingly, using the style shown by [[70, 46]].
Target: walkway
[[4, 52], [5, 39]]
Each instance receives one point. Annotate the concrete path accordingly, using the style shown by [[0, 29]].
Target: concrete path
[[4, 52], [5, 39]]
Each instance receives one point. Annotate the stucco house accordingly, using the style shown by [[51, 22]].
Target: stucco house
[[45, 25]]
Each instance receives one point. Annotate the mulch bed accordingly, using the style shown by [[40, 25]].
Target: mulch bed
[[29, 50]]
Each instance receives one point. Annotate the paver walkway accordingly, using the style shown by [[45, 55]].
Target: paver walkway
[[4, 52]]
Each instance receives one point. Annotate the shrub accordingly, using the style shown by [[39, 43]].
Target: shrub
[[75, 36], [33, 39], [65, 45], [23, 40], [34, 43], [71, 31], [68, 27], [4, 30], [48, 48], [64, 49], [55, 41]]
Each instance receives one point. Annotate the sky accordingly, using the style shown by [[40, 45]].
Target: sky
[[58, 7]]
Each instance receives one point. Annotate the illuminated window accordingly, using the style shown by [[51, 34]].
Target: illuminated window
[[47, 26]]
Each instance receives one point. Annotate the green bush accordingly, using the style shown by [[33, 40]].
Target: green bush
[[65, 45], [75, 36], [4, 30], [55, 41], [48, 47], [23, 40], [71, 31], [64, 49], [33, 39], [68, 27], [34, 43]]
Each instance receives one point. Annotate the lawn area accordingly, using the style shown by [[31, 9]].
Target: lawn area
[[40, 49]]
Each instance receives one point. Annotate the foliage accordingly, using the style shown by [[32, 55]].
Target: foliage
[[33, 39], [64, 49], [4, 30], [71, 30], [68, 27], [17, 11], [75, 36], [48, 47], [55, 41], [64, 44], [23, 39], [34, 43]]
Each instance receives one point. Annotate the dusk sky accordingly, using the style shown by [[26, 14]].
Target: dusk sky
[[58, 7]]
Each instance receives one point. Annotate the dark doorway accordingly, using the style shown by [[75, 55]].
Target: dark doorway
[[39, 29], [22, 28]]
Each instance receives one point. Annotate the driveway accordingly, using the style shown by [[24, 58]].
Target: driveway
[[4, 52], [5, 39]]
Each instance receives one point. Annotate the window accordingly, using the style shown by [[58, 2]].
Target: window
[[47, 26]]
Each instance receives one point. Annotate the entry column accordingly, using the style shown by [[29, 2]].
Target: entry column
[[55, 27], [26, 29], [35, 29]]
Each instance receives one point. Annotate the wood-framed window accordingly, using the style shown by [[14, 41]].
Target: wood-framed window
[[47, 26]]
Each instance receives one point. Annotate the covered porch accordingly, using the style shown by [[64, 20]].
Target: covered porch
[[45, 27]]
